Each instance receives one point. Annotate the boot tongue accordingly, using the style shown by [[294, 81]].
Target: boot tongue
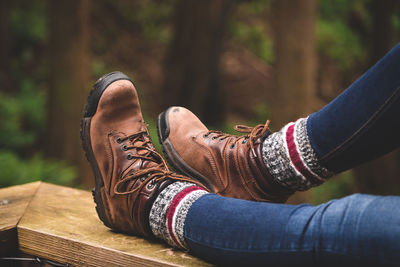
[[265, 135], [143, 147], [140, 164], [145, 164], [147, 153]]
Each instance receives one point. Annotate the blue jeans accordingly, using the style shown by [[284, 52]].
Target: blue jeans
[[360, 124], [363, 122], [352, 231]]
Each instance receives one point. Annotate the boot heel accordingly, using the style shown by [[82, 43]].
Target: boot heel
[[96, 192]]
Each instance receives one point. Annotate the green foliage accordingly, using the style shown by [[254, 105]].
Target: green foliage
[[22, 112], [253, 8], [28, 32], [336, 40], [99, 68], [152, 17], [28, 23], [336, 9], [263, 112], [249, 29], [396, 23], [16, 170], [336, 187], [255, 39], [21, 119], [21, 122], [336, 37]]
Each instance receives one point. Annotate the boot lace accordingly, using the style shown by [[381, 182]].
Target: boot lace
[[148, 176], [254, 133]]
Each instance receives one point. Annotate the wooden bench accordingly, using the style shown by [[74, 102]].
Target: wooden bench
[[60, 224]]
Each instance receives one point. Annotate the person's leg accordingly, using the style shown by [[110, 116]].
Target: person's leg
[[136, 193], [359, 229], [360, 124], [364, 121]]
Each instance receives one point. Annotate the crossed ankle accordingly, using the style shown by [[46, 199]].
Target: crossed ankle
[[290, 158], [169, 210]]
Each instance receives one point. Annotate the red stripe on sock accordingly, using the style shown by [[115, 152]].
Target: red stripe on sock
[[172, 208], [295, 156]]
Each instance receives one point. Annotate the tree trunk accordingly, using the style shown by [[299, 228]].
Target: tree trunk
[[382, 28], [5, 73], [380, 176], [295, 54], [192, 64], [68, 76]]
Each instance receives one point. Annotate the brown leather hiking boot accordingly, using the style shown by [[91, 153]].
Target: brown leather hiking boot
[[128, 171], [228, 165]]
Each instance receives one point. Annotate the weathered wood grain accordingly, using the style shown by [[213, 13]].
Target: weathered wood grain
[[61, 224], [13, 202]]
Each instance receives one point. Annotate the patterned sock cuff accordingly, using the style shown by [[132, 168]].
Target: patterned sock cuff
[[291, 159], [306, 151], [169, 210]]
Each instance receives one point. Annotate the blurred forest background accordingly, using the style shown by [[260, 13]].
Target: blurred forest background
[[229, 61]]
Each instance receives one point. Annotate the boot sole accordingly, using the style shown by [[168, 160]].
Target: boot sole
[[90, 109], [172, 156]]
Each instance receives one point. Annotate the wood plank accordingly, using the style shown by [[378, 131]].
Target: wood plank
[[61, 224], [13, 202]]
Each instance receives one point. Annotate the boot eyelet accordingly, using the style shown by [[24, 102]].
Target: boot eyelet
[[205, 135], [246, 138], [150, 185], [131, 174], [124, 148], [232, 146], [214, 137], [119, 140], [142, 179], [129, 156]]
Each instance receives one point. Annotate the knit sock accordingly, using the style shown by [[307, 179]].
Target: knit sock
[[290, 158], [169, 210]]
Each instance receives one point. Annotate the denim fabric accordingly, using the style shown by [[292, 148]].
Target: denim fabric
[[363, 122], [359, 230]]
